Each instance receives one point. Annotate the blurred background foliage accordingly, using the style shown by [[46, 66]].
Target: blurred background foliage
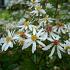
[[16, 59]]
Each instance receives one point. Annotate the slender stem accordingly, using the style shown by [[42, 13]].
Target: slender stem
[[56, 11]]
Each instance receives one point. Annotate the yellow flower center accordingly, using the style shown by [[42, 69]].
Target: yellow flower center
[[26, 23], [34, 37], [38, 8], [60, 24], [67, 47], [33, 1], [8, 39]]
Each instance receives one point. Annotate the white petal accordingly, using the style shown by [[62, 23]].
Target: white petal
[[20, 26], [38, 34], [59, 31], [34, 47], [28, 40], [34, 11], [42, 11], [61, 44], [3, 47], [50, 39], [16, 37], [10, 44], [28, 35], [68, 51], [61, 48], [55, 36], [43, 37], [63, 31], [59, 53], [1, 40], [52, 52], [30, 27], [41, 34], [34, 31], [21, 21], [26, 27], [26, 45], [9, 33], [47, 47], [42, 44], [6, 47], [55, 29]]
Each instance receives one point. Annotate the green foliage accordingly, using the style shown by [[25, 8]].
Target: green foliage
[[25, 60], [5, 14]]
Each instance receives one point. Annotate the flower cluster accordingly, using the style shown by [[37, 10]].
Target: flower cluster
[[39, 30]]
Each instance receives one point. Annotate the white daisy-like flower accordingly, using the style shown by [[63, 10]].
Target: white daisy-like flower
[[49, 5], [35, 1], [55, 44], [42, 22], [24, 25], [67, 46], [9, 40], [60, 27], [38, 9], [34, 39], [49, 31]]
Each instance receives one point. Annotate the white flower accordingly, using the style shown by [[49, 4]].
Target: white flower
[[55, 44], [42, 22], [49, 31], [38, 9], [24, 25], [8, 40], [49, 5], [33, 39], [35, 1], [60, 27], [67, 46]]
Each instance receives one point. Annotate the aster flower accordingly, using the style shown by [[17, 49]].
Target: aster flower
[[60, 27], [67, 46], [38, 9], [55, 44], [43, 21], [9, 40], [49, 31], [49, 5], [35, 1], [23, 24], [33, 39]]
